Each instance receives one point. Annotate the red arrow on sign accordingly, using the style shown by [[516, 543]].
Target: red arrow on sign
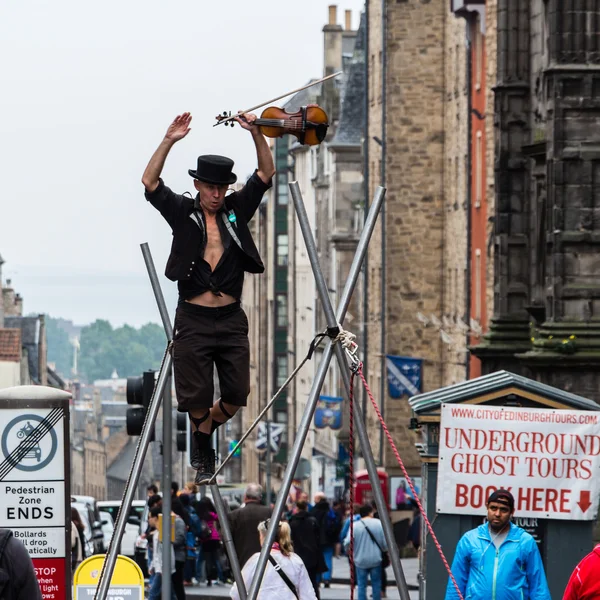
[[584, 500]]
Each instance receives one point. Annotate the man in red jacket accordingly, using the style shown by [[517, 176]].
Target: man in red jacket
[[585, 579]]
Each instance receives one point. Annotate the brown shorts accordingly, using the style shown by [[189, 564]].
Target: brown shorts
[[204, 337]]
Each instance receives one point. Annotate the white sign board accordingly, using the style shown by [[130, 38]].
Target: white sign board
[[33, 471], [548, 459]]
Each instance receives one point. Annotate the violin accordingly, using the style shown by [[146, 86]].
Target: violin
[[309, 124]]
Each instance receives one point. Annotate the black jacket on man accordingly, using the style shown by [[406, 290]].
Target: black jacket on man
[[189, 235], [306, 536], [244, 529], [329, 532], [17, 577]]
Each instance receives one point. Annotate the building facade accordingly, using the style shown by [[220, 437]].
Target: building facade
[[428, 143], [546, 321]]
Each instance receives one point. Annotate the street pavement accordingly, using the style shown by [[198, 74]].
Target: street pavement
[[340, 587]]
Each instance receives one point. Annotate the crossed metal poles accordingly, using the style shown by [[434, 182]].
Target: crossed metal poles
[[163, 377], [161, 390], [305, 423]]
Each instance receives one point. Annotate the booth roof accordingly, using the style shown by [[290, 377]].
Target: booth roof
[[493, 382]]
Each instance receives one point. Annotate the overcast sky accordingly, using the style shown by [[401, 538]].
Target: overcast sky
[[87, 92]]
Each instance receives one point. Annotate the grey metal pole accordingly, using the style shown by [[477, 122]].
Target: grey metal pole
[[160, 300], [367, 453], [167, 437], [358, 417], [228, 540], [167, 476], [134, 476], [313, 397]]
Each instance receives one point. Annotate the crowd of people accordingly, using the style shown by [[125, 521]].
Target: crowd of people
[[497, 559], [301, 561]]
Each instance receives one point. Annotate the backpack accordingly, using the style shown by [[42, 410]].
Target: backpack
[[332, 525], [6, 584], [195, 523]]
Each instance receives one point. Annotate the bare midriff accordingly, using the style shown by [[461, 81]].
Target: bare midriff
[[212, 255], [211, 300]]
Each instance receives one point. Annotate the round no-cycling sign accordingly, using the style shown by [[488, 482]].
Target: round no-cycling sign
[[127, 582]]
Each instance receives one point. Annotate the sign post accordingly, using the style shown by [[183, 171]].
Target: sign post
[[35, 482], [548, 459], [127, 581]]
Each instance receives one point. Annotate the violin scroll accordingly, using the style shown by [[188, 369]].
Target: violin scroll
[[225, 115]]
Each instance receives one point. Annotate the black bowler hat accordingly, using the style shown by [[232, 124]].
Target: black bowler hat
[[214, 169]]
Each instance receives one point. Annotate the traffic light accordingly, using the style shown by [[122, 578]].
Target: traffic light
[[139, 392], [182, 432]]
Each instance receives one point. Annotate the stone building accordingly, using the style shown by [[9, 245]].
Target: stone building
[[428, 132], [546, 322]]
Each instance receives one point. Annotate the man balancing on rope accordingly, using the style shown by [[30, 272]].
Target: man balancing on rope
[[211, 249]]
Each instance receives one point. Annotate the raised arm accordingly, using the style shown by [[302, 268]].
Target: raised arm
[[266, 166], [178, 129]]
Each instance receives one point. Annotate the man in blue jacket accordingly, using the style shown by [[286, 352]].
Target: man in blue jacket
[[498, 560]]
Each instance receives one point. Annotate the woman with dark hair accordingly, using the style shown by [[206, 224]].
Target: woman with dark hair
[[286, 577], [212, 545], [77, 538]]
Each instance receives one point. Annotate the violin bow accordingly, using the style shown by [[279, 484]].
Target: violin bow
[[243, 112]]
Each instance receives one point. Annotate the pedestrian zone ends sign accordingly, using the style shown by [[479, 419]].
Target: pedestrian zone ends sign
[[548, 459]]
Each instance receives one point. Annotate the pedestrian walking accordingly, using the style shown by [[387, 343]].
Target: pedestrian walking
[[306, 540], [244, 521], [330, 527], [211, 546], [156, 565], [285, 577], [584, 583], [369, 549], [498, 559], [77, 539]]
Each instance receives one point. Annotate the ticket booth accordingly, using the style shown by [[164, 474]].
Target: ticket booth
[[504, 430]]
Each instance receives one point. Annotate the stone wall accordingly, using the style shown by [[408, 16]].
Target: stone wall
[[416, 62], [456, 201]]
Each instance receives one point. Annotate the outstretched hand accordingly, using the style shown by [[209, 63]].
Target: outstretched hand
[[179, 128]]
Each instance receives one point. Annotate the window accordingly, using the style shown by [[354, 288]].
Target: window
[[282, 250], [478, 284], [282, 316], [477, 159], [478, 53], [282, 190], [282, 368]]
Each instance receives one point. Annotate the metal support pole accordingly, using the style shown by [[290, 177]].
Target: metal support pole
[[358, 416], [160, 300], [367, 453], [228, 540], [167, 476], [134, 477], [313, 397], [167, 437]]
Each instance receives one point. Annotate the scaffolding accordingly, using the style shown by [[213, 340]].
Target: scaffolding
[[334, 334]]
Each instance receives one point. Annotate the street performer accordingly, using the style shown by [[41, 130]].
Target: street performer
[[212, 248]]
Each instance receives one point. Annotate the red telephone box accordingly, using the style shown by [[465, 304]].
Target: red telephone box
[[363, 492]]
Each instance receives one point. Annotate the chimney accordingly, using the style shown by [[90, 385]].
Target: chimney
[[332, 43], [332, 14], [348, 20]]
